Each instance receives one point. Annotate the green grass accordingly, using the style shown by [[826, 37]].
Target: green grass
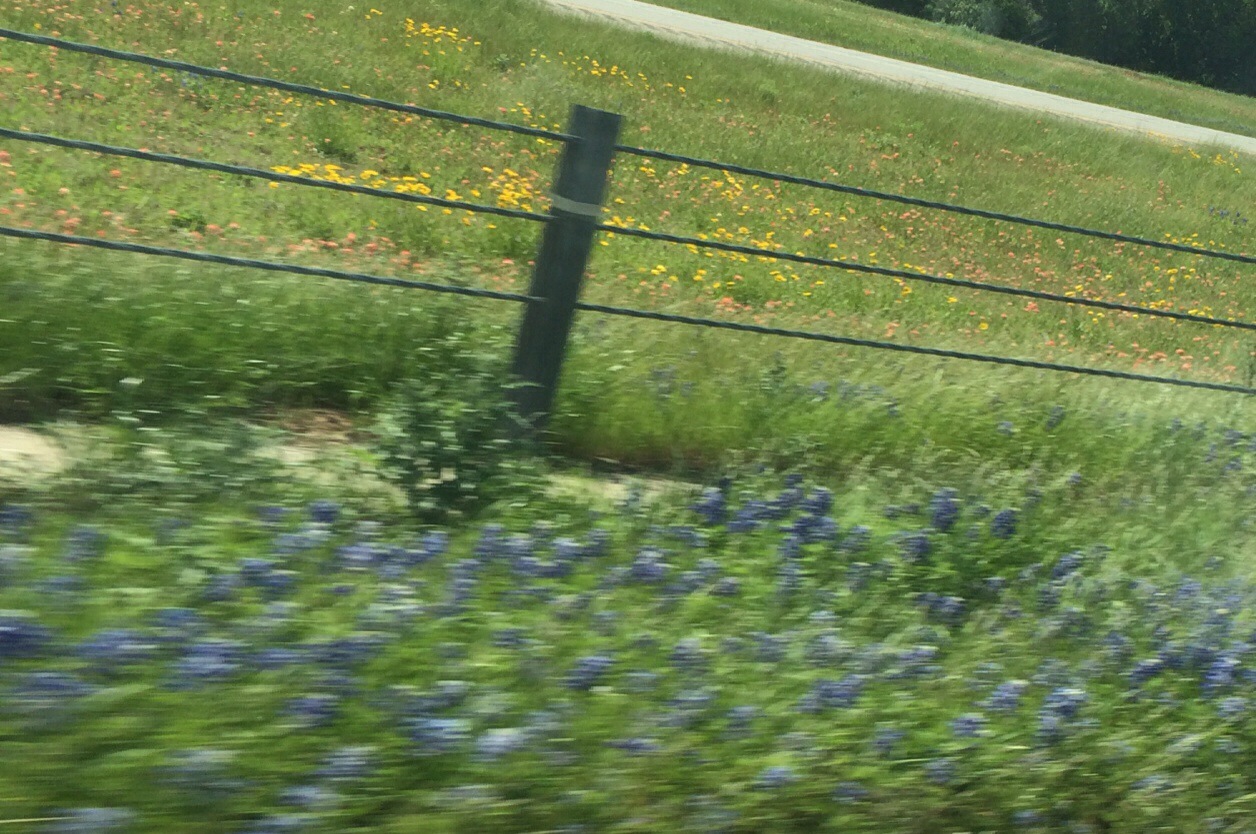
[[855, 26], [112, 317], [184, 374]]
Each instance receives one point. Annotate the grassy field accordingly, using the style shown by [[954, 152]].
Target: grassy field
[[955, 48], [877, 593]]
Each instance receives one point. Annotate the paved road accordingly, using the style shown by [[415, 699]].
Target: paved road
[[734, 36]]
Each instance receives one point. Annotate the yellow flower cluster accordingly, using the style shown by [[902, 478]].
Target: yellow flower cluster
[[439, 34], [374, 179], [514, 190]]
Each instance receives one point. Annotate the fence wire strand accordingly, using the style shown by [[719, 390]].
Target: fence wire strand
[[275, 84], [901, 348], [269, 266], [258, 173], [907, 275], [367, 278], [930, 204], [360, 277]]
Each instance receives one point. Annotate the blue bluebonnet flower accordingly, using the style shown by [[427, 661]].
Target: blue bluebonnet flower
[[1059, 707], [689, 707], [839, 694], [969, 725], [708, 569], [849, 793], [689, 656], [495, 744], [310, 797], [1055, 417], [112, 648], [813, 529], [434, 736], [726, 586], [915, 662], [940, 771], [750, 517], [278, 657], [359, 556], [944, 510], [769, 648], [1006, 696], [1117, 647], [597, 544], [207, 661], [14, 517], [589, 672], [885, 739], [22, 636], [324, 511], [509, 638], [914, 548], [347, 763], [84, 542], [1231, 707], [1006, 428], [641, 681], [788, 578], [272, 515], [818, 502], [649, 567], [790, 547], [176, 625], [775, 777], [47, 696], [1027, 818], [636, 746], [91, 821], [1155, 783], [712, 506], [1068, 565], [857, 539], [221, 587], [309, 711], [1220, 674], [344, 653], [290, 544], [1003, 525], [740, 718], [826, 649]]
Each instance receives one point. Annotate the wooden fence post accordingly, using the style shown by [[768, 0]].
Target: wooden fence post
[[566, 242]]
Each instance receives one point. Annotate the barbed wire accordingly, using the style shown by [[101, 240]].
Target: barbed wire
[[272, 266], [698, 162], [258, 173], [927, 278], [287, 86], [252, 263], [696, 321]]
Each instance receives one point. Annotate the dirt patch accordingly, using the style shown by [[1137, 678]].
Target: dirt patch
[[27, 453]]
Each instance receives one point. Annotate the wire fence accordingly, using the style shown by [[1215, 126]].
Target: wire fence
[[606, 309], [574, 218]]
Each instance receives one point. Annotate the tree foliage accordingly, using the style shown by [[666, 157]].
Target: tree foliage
[[1210, 42]]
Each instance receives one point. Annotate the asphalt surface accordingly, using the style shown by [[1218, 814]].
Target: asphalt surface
[[736, 37]]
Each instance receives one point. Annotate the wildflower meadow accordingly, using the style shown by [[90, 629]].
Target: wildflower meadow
[[291, 570]]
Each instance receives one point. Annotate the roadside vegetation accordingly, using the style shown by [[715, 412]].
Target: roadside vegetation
[[744, 584]]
